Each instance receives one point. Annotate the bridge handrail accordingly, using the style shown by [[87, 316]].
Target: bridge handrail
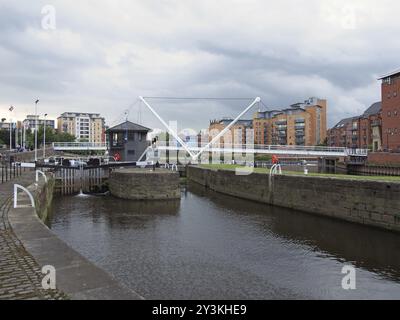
[[79, 144], [347, 151]]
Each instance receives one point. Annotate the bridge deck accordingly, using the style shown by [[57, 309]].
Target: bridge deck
[[280, 150]]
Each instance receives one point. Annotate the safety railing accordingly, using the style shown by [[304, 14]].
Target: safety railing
[[79, 145], [16, 187], [278, 148], [10, 171]]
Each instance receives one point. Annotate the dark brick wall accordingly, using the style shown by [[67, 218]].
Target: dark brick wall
[[384, 158]]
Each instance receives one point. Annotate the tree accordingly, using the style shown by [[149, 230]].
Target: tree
[[51, 136], [4, 136]]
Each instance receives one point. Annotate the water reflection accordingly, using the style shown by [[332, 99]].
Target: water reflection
[[212, 246], [366, 247]]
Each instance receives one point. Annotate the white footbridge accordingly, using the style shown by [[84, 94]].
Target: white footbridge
[[312, 151], [194, 152]]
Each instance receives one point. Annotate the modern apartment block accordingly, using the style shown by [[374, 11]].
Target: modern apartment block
[[301, 124], [30, 121], [360, 132], [86, 127], [390, 90]]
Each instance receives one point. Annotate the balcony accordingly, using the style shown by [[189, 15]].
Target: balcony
[[376, 123]]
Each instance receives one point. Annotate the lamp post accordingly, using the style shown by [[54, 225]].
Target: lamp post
[[11, 109], [36, 128], [24, 135], [10, 134], [44, 136]]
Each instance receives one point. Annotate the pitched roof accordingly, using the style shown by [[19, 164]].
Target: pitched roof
[[390, 74], [130, 126], [344, 122], [373, 109]]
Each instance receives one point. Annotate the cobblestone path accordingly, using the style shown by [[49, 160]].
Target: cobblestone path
[[20, 275]]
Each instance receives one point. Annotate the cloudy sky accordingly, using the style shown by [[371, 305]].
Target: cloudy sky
[[99, 56]]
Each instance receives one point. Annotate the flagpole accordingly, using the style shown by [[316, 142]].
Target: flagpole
[[11, 109], [36, 128]]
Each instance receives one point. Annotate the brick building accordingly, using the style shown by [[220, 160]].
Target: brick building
[[238, 132], [360, 132], [341, 135], [301, 124], [86, 127], [390, 91]]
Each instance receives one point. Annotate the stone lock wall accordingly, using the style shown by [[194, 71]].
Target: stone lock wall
[[76, 277], [372, 203], [43, 197], [142, 184]]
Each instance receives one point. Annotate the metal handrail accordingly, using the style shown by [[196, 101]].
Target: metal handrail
[[348, 151], [79, 144]]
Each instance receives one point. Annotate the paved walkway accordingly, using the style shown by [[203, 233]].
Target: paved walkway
[[20, 275]]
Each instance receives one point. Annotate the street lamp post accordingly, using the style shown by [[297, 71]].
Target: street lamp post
[[36, 128], [24, 135], [44, 136], [10, 134], [11, 109]]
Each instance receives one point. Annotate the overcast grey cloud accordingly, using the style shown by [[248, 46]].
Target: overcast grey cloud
[[103, 54]]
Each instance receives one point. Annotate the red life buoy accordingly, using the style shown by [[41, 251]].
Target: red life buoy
[[275, 159], [117, 156]]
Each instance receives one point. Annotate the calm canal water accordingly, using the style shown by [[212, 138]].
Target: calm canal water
[[212, 246]]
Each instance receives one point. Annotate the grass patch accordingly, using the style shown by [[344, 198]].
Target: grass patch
[[310, 174]]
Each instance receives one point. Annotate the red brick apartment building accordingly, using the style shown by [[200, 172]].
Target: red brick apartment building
[[360, 132], [391, 111]]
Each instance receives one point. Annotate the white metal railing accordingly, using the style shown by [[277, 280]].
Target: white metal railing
[[292, 149], [42, 174], [79, 145], [275, 169], [16, 187]]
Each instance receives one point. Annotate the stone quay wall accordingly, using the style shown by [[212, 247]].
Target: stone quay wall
[[372, 203], [76, 277], [142, 184]]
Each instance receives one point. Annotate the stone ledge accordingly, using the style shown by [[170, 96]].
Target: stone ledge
[[76, 276]]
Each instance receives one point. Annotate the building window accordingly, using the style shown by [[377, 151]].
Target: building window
[[131, 152], [389, 114], [395, 94], [395, 112]]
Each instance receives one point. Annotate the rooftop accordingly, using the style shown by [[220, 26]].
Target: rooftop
[[295, 107], [390, 74], [129, 126], [68, 114], [375, 108], [344, 122]]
